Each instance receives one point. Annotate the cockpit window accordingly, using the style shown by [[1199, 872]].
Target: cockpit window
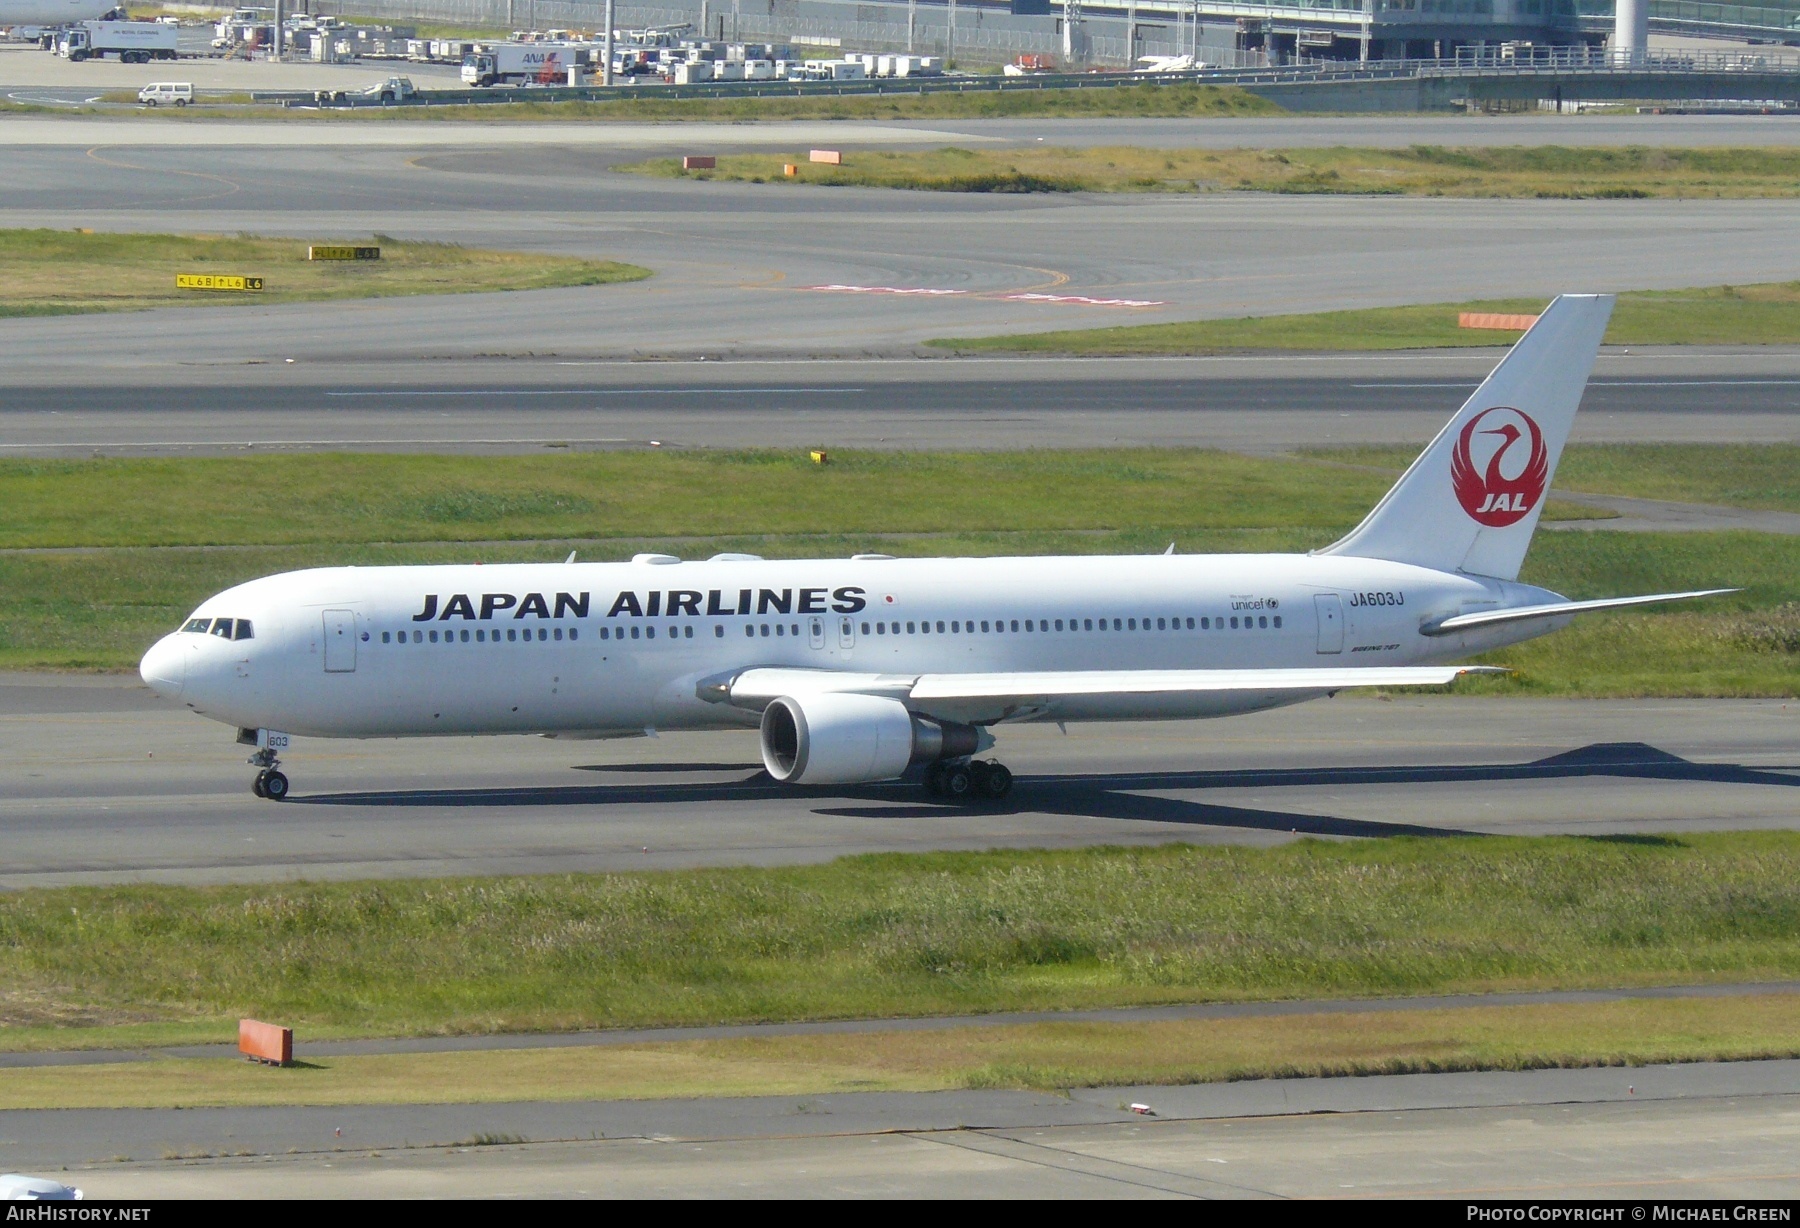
[[243, 630], [197, 624], [222, 628]]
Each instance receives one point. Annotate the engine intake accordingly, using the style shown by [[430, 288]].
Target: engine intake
[[837, 739]]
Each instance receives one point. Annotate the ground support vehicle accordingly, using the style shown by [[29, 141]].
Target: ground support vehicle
[[133, 42]]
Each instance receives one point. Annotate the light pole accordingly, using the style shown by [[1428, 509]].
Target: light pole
[[606, 76], [950, 43]]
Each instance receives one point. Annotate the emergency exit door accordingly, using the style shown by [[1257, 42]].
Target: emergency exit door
[[815, 631], [1331, 621], [340, 641]]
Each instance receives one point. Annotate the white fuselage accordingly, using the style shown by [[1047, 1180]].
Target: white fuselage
[[596, 648], [52, 12]]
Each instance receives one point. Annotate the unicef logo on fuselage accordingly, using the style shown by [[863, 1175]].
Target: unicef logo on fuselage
[[1500, 466]]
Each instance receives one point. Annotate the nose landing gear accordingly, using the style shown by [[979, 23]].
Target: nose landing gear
[[270, 782], [968, 780]]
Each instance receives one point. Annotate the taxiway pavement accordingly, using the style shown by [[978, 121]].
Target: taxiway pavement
[[1683, 1132], [102, 782], [1263, 403]]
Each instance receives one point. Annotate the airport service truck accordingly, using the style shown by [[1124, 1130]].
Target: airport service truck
[[134, 42], [521, 64]]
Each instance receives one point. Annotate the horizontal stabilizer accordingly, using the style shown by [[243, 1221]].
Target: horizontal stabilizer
[[1560, 609]]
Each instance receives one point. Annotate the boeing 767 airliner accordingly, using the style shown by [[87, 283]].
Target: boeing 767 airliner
[[857, 669]]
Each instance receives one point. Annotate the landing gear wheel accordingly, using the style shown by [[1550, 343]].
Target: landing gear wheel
[[934, 779], [958, 781], [256, 786], [994, 780], [275, 786]]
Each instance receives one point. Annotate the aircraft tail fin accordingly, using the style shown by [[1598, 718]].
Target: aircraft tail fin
[[1471, 501]]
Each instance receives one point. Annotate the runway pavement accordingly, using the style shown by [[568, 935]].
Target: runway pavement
[[1259, 404], [738, 266], [102, 782], [1670, 1132]]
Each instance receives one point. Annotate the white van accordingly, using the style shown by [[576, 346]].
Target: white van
[[178, 93]]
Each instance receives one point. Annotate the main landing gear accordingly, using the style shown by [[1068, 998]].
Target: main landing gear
[[270, 782], [968, 780]]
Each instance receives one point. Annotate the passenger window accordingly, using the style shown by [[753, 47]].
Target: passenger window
[[718, 631], [778, 629], [910, 629], [385, 635], [687, 633], [765, 631], [940, 628], [1087, 624], [749, 631], [434, 637], [1015, 624], [465, 637], [1160, 625], [955, 627], [635, 632], [865, 628], [480, 635], [1278, 622], [1131, 624], [1206, 624], [1262, 620], [1190, 624], [984, 624], [574, 633], [649, 633], [1059, 624], [418, 637], [558, 634], [605, 634]]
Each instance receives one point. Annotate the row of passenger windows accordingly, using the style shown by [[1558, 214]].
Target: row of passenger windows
[[1000, 626], [1247, 622], [224, 628], [480, 636]]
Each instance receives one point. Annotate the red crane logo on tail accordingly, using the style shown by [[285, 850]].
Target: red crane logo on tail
[[1509, 481]]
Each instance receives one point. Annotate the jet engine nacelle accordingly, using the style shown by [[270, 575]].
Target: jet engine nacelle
[[837, 739]]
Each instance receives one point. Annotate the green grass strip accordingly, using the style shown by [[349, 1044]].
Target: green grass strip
[[1767, 314], [59, 272], [896, 935], [1534, 172]]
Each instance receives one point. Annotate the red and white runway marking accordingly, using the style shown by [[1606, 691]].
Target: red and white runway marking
[[1082, 300], [836, 289]]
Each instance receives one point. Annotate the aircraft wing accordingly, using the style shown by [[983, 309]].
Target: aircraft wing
[[1559, 609], [1018, 696]]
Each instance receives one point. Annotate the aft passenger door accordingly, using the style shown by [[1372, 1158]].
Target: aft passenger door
[[340, 641], [1330, 609]]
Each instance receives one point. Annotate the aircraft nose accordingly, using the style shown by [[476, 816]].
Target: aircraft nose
[[164, 667]]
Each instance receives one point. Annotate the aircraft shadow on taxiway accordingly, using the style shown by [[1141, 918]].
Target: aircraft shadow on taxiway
[[1122, 796]]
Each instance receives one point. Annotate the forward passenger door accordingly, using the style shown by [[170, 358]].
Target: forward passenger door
[[340, 641]]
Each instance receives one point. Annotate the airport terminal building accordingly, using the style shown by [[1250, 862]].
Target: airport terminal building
[[1229, 33]]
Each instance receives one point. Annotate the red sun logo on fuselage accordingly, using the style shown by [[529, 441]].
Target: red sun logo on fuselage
[[1508, 479]]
